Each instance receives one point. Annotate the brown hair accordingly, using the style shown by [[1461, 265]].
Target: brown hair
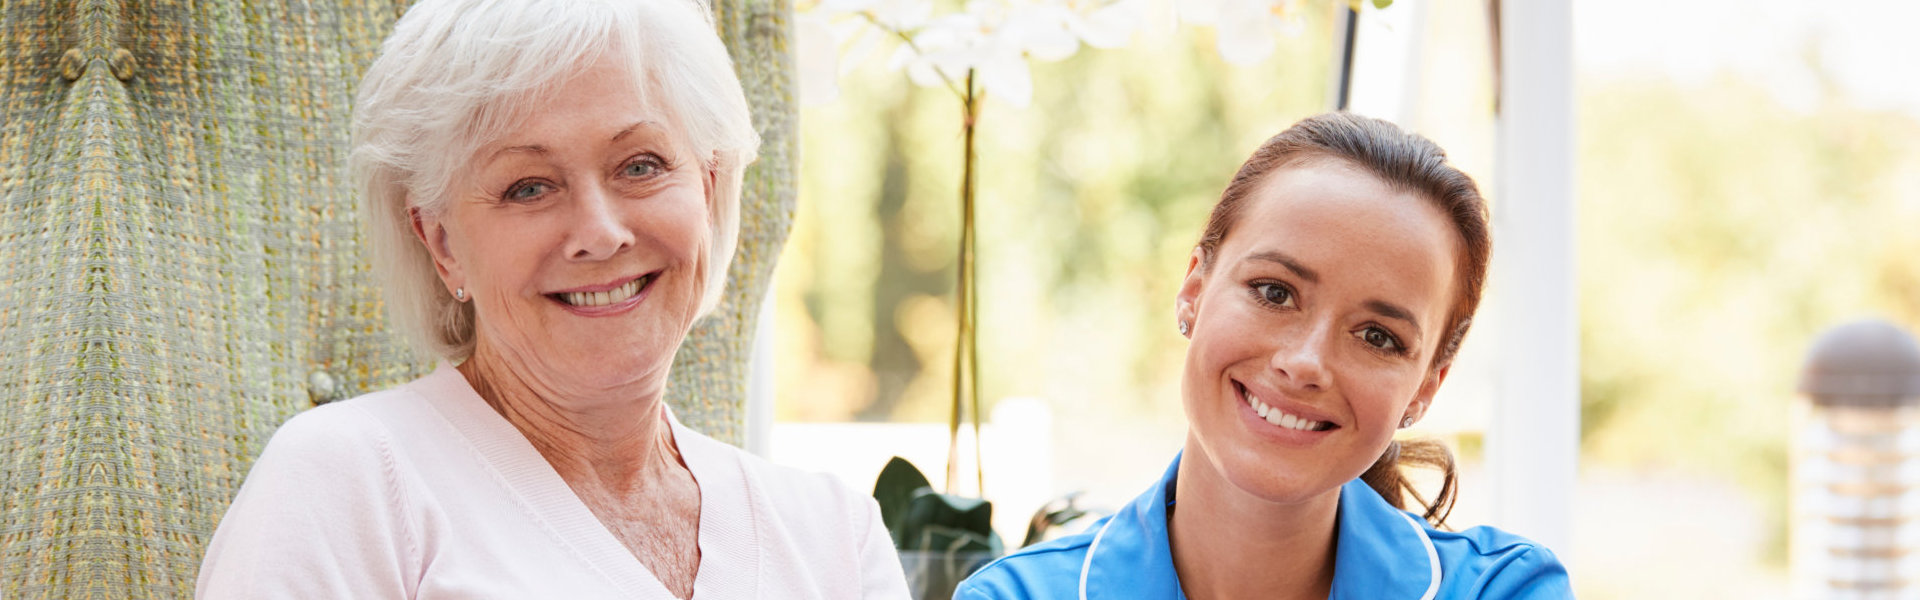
[[1407, 162]]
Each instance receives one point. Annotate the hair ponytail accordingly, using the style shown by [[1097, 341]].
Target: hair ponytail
[[1386, 478]]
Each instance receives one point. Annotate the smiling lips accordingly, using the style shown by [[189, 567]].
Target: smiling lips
[[1281, 418], [605, 298]]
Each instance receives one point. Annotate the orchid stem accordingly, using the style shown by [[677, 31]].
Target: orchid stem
[[966, 352], [970, 232]]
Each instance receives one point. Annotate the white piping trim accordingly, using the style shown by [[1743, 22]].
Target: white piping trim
[[1433, 557], [1088, 564]]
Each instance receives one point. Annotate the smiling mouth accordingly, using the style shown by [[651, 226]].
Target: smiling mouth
[[1277, 417], [609, 297]]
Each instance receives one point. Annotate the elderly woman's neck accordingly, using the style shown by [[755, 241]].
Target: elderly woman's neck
[[615, 447]]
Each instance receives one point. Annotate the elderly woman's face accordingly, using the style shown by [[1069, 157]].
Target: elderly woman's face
[[580, 237], [1313, 331]]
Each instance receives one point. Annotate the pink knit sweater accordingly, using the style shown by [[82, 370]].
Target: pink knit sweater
[[423, 491]]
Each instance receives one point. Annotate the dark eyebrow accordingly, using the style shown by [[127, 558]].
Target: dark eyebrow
[[1289, 263], [1394, 311]]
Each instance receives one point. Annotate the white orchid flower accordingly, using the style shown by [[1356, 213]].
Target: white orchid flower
[[991, 38], [1106, 25], [893, 15], [995, 39], [816, 58], [1037, 30], [1245, 31], [832, 36]]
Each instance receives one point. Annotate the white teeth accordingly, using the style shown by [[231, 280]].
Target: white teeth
[[618, 294], [1281, 418]]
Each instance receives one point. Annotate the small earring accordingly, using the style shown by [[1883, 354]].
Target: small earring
[[460, 294], [1184, 328], [1406, 422]]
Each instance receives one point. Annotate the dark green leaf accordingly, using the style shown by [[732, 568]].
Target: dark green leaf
[[951, 541], [895, 488], [967, 514], [919, 518]]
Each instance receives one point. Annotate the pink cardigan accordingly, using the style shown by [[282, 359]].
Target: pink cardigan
[[423, 491]]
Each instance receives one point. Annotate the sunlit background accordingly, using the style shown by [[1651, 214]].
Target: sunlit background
[[1748, 174]]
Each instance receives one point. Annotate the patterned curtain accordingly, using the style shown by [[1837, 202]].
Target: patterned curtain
[[181, 268]]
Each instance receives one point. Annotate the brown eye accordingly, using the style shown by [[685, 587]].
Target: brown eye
[[1273, 293], [1379, 338]]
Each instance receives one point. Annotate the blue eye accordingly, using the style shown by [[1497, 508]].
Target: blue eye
[[526, 190], [1273, 293], [639, 168]]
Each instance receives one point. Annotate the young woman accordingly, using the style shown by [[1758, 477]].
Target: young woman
[[1324, 304]]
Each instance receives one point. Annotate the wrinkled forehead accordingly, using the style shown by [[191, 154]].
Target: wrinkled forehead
[[611, 71]]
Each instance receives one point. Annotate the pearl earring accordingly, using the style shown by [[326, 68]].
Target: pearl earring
[[460, 294], [1406, 422], [1184, 328]]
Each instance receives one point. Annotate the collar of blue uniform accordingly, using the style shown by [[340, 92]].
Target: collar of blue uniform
[[1129, 556], [1382, 552]]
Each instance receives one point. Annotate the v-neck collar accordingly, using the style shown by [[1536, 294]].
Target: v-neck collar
[[1130, 556], [1380, 552], [728, 533]]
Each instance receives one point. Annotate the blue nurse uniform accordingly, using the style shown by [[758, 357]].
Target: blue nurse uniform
[[1381, 553]]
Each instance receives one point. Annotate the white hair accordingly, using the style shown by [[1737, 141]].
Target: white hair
[[455, 75]]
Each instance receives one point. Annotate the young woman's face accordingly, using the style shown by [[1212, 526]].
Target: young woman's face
[[1314, 329]]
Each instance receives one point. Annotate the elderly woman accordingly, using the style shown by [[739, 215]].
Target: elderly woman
[[1323, 304], [552, 190]]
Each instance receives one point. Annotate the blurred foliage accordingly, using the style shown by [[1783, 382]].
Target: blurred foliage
[[1090, 201], [1719, 233]]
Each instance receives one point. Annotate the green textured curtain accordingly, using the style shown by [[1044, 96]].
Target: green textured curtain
[[181, 268]]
